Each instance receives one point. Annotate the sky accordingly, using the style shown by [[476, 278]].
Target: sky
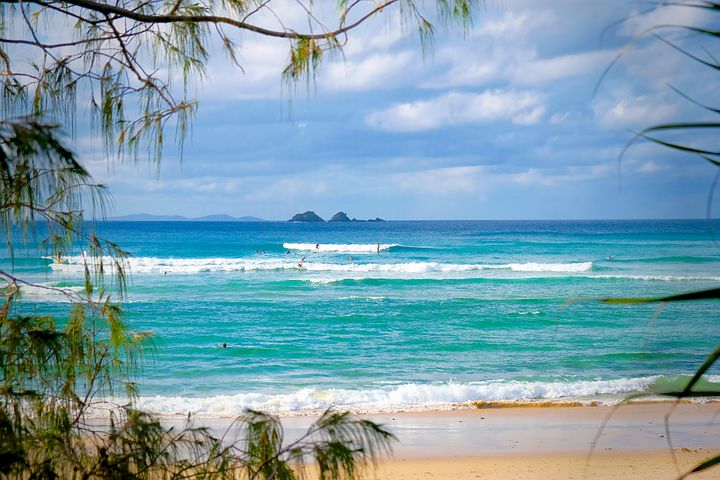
[[511, 119]]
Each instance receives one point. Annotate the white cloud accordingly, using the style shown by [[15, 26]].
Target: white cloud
[[456, 108], [538, 71], [441, 181], [376, 70], [632, 111], [640, 23], [512, 63], [651, 167], [514, 23], [568, 175]]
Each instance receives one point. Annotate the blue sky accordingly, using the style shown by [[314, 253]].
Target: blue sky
[[500, 123]]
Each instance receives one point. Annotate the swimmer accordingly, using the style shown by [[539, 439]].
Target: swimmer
[[224, 345], [287, 253], [299, 265], [302, 259], [610, 257], [165, 273]]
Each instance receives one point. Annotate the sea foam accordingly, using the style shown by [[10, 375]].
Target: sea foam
[[49, 292], [406, 397], [199, 265], [337, 247]]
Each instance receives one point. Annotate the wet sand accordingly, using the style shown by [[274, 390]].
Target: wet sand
[[543, 443]]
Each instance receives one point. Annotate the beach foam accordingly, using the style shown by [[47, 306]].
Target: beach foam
[[406, 397]]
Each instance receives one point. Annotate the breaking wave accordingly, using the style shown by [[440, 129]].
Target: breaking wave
[[406, 397], [199, 265], [337, 247]]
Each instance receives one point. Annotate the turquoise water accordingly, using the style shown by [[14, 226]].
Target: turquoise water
[[445, 312]]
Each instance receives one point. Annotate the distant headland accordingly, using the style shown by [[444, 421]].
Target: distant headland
[[146, 217], [311, 216]]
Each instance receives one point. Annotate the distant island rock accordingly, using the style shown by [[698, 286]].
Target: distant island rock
[[340, 217], [308, 216], [146, 217], [376, 219], [311, 216]]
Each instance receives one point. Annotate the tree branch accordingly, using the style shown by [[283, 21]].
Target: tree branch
[[171, 18]]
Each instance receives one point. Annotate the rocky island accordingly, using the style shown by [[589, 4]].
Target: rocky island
[[308, 216], [340, 217], [311, 216]]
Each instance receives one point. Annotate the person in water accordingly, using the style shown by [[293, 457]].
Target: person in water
[[378, 248], [317, 247]]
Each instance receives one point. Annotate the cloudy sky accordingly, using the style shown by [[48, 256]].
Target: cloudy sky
[[502, 122]]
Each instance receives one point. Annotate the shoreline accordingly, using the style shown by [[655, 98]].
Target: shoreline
[[534, 443], [523, 430]]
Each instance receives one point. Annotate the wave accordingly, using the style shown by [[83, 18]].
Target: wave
[[49, 292], [661, 278], [407, 397], [199, 265], [669, 259], [337, 247]]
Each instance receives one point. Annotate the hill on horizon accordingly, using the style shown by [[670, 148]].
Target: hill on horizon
[[147, 217]]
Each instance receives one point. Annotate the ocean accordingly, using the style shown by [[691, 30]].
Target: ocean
[[398, 316]]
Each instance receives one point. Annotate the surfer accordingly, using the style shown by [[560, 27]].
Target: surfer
[[58, 258], [317, 247], [378, 248]]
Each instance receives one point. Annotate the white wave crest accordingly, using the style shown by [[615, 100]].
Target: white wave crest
[[338, 248], [407, 397], [661, 278], [199, 265], [48, 292]]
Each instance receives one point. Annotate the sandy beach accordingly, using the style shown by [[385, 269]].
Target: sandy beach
[[543, 443], [529, 443], [604, 466]]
